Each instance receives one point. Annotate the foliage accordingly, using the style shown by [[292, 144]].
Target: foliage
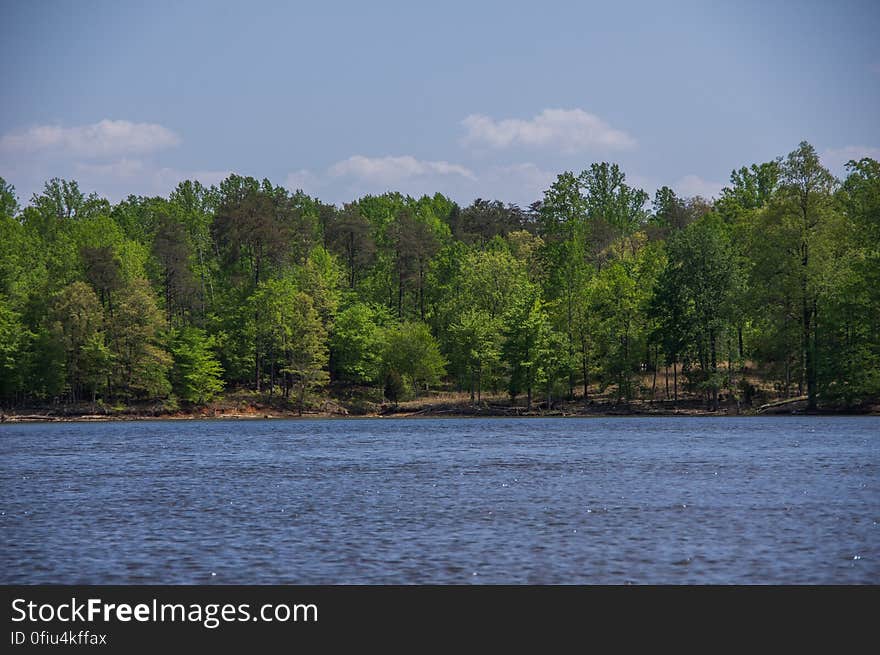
[[356, 343], [410, 350], [774, 285], [197, 375]]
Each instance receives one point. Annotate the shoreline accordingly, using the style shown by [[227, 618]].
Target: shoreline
[[426, 413]]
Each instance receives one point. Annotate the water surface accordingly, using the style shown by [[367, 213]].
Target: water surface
[[618, 500]]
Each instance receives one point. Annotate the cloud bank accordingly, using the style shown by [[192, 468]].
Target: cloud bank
[[105, 138], [564, 130], [391, 170], [115, 158]]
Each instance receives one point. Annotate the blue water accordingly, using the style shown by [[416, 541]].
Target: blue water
[[621, 500]]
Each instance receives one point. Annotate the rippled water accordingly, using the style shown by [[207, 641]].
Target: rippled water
[[642, 500]]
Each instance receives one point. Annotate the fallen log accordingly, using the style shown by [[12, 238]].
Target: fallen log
[[781, 404]]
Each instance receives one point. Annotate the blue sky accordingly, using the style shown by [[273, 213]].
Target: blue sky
[[473, 99]]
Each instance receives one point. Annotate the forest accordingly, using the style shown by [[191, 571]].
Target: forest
[[594, 292]]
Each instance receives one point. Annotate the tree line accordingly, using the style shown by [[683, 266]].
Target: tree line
[[595, 288]]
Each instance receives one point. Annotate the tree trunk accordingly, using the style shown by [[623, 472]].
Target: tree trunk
[[654, 381], [351, 260], [421, 292], [729, 364], [626, 360], [714, 354], [666, 377], [570, 340], [742, 361], [808, 371], [257, 370], [167, 279], [675, 381], [271, 373], [811, 360], [787, 376], [586, 380]]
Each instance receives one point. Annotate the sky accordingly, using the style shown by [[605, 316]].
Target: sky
[[471, 99]]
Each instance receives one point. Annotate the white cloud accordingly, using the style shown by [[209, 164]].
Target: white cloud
[[565, 130], [112, 158], [835, 158], [105, 138], [694, 185], [390, 170]]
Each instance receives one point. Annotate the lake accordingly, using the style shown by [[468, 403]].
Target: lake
[[594, 500]]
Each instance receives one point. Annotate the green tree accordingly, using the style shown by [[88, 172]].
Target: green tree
[[292, 335], [97, 363], [306, 351], [476, 347], [553, 362], [526, 329], [750, 188], [805, 194], [253, 233], [46, 374], [14, 342], [8, 200], [78, 321], [349, 236], [248, 284], [411, 351], [700, 279], [616, 210], [468, 321], [415, 244], [615, 326], [483, 220], [848, 361], [320, 276], [671, 310], [136, 333], [565, 231], [103, 270], [171, 252], [356, 343], [196, 375], [193, 206]]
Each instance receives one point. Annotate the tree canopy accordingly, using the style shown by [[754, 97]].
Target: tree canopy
[[594, 289]]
